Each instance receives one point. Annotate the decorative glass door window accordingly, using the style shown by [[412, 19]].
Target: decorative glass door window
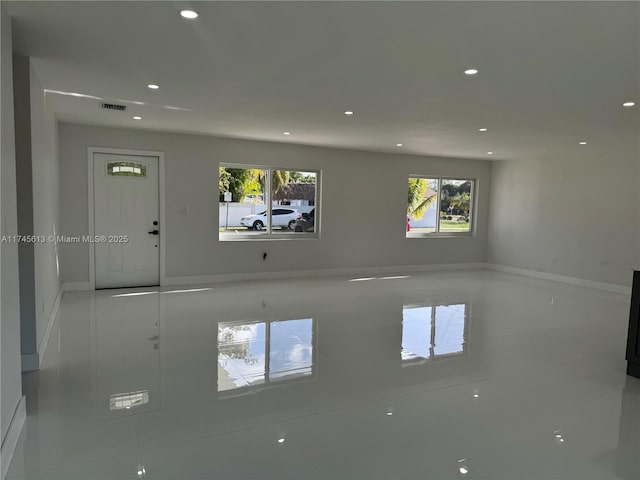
[[126, 169]]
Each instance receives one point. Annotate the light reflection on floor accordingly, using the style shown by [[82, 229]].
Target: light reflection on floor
[[430, 376]]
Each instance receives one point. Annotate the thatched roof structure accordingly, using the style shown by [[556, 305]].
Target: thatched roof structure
[[296, 191]]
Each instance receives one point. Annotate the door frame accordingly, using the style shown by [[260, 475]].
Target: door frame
[[161, 205]]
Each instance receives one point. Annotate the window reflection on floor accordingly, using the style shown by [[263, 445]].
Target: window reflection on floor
[[432, 331], [416, 333], [260, 353], [291, 351]]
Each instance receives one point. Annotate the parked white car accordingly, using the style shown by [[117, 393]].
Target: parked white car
[[280, 217]]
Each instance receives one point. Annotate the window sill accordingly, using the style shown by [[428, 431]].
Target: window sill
[[239, 237], [440, 235]]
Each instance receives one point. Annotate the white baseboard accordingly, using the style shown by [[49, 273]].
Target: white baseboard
[[580, 282], [329, 272], [372, 271], [13, 434], [76, 286], [44, 341]]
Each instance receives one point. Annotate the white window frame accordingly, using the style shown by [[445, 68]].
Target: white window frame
[[472, 208], [269, 234]]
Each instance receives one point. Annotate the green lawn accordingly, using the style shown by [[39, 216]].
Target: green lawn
[[423, 229], [453, 226]]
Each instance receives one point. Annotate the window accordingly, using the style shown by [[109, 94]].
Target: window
[[258, 202], [264, 353], [432, 332], [126, 169], [439, 206]]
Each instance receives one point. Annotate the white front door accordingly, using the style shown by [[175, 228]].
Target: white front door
[[126, 216]]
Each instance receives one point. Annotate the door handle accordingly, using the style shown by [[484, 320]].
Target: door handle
[[154, 232]]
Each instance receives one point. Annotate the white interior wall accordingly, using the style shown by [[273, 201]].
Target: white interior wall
[[46, 174], [363, 206], [11, 385], [577, 218], [24, 191]]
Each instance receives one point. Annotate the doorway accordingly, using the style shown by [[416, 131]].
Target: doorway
[[125, 240]]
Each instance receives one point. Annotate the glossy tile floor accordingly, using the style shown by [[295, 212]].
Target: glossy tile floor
[[431, 376]]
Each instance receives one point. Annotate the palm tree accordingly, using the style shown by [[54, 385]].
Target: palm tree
[[418, 201], [279, 180]]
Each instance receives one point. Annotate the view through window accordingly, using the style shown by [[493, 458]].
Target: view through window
[[259, 202], [439, 205]]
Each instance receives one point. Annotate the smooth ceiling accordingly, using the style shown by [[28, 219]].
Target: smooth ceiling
[[551, 73]]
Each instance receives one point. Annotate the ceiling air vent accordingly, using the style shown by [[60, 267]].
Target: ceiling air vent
[[114, 106]]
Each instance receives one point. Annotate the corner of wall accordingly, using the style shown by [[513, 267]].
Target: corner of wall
[[11, 401], [13, 434]]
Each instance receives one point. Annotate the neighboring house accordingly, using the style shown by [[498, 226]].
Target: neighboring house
[[296, 194]]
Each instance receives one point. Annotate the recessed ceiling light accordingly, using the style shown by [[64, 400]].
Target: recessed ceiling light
[[286, 133], [582, 143], [482, 129], [137, 118], [348, 112], [399, 144], [153, 86], [489, 153], [471, 71], [190, 14], [628, 104]]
